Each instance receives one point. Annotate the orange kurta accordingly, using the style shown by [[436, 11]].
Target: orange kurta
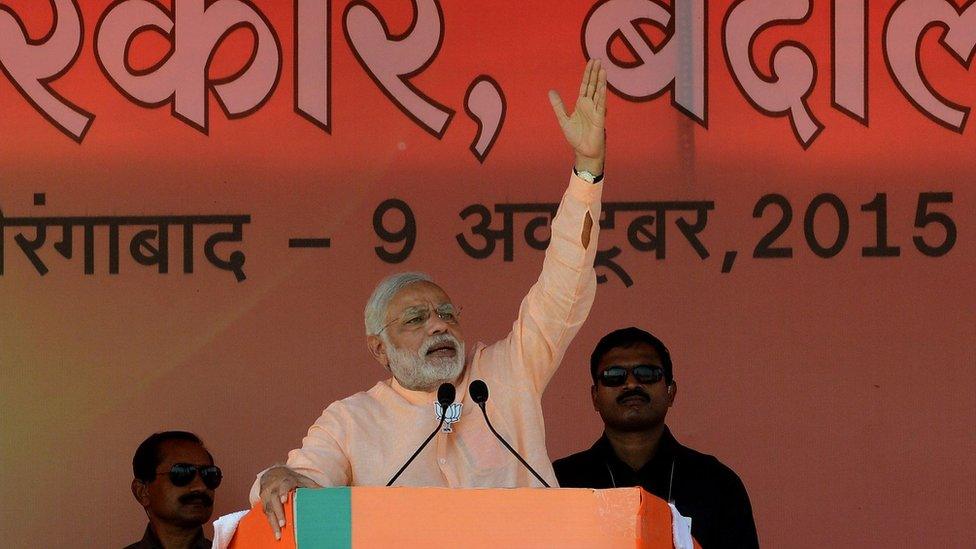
[[365, 438]]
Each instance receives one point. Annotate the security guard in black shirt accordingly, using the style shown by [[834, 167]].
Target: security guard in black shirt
[[633, 387]]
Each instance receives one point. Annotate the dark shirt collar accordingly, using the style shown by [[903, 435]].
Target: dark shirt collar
[[151, 541], [654, 476], [666, 449]]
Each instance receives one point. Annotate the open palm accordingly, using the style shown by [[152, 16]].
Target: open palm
[[584, 127]]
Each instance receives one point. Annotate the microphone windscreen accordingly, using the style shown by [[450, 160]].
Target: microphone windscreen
[[445, 394], [478, 391]]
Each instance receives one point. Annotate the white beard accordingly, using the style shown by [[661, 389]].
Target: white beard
[[418, 372]]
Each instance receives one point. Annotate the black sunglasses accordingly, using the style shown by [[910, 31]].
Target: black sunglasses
[[615, 376], [182, 474]]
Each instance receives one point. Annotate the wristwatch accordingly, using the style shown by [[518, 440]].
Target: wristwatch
[[587, 176]]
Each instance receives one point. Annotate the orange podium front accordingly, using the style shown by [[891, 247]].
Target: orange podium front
[[493, 518]]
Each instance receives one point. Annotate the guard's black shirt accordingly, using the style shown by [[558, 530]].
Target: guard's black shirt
[[151, 541], [702, 487]]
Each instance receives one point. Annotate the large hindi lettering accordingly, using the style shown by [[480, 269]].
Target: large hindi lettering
[[195, 28], [392, 60], [638, 68], [678, 65], [908, 21], [32, 64]]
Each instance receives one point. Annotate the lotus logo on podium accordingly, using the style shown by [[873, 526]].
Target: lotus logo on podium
[[452, 416]]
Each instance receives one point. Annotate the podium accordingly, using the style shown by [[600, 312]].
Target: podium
[[366, 517]]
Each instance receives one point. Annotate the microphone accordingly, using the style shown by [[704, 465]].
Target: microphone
[[445, 397], [479, 394]]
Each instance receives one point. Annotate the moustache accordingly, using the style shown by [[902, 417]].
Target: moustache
[[633, 393], [194, 497], [437, 340]]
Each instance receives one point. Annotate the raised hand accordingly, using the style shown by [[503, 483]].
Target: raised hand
[[584, 127]]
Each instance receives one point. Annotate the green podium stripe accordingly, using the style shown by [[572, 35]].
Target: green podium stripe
[[323, 518]]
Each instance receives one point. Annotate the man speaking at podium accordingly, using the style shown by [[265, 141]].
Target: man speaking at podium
[[414, 330]]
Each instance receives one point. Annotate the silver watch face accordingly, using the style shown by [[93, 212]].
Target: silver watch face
[[586, 176]]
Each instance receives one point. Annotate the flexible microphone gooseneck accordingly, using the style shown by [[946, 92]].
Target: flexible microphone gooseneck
[[445, 397], [479, 394]]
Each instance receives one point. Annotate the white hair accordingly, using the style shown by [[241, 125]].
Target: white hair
[[376, 307]]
